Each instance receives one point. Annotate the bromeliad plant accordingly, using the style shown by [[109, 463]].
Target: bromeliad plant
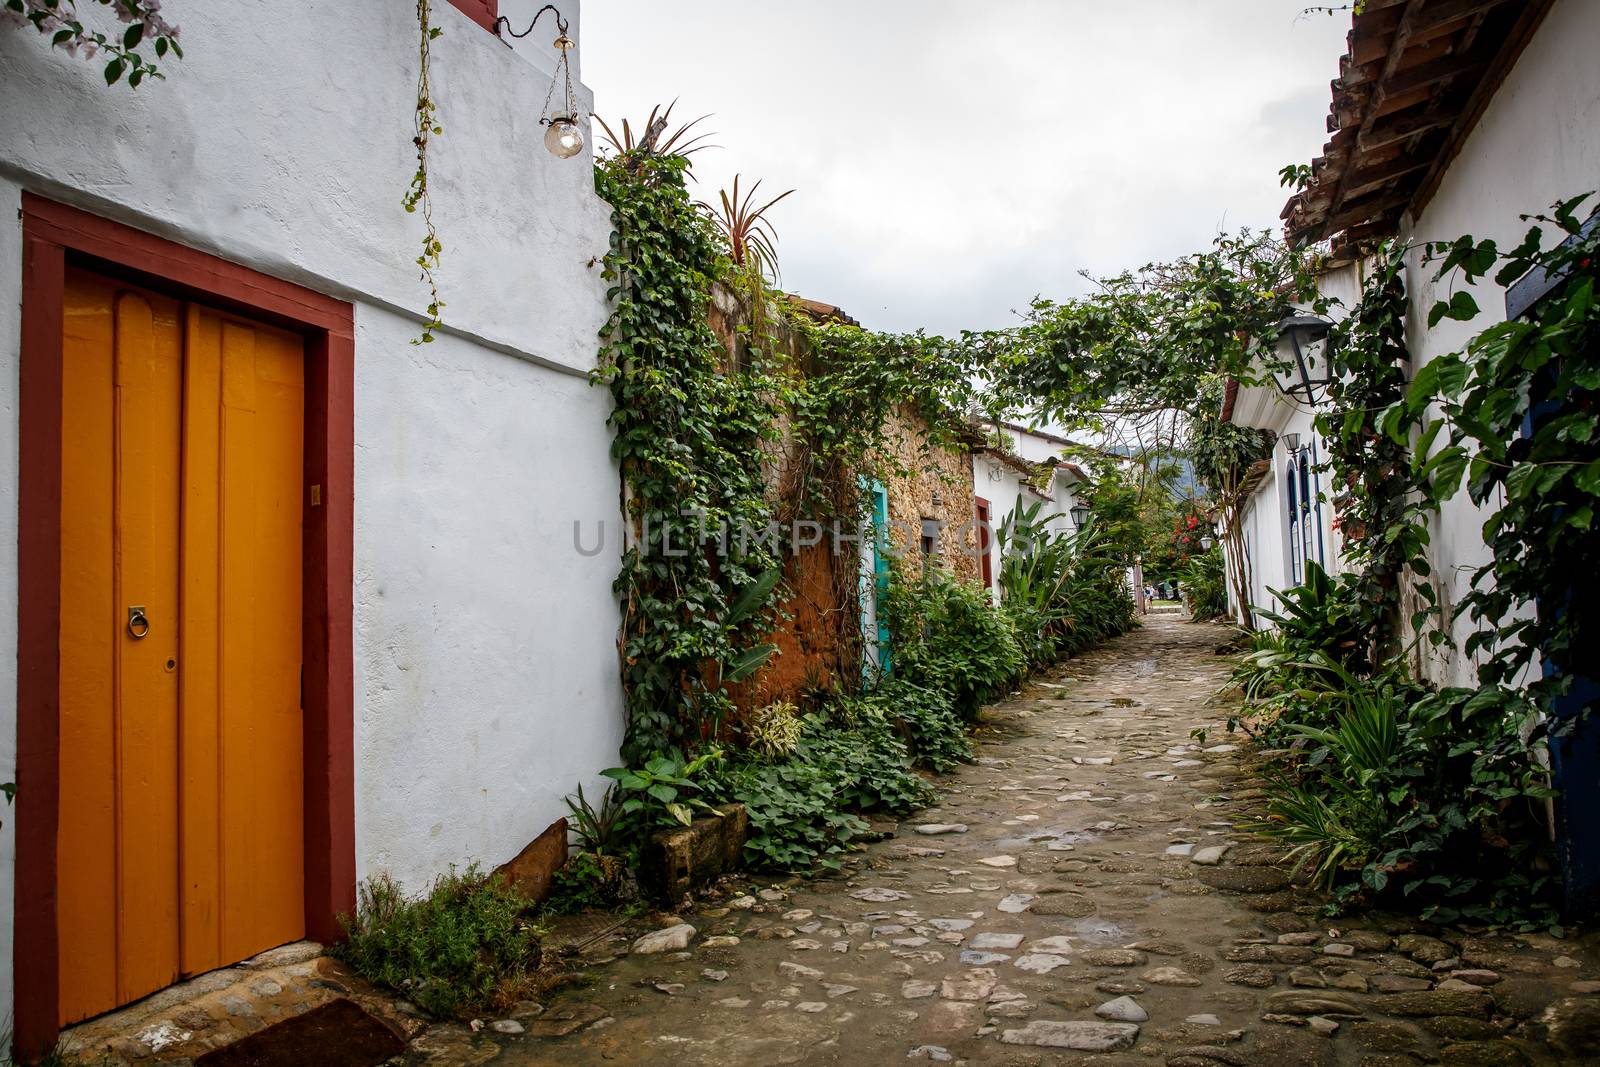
[[752, 241], [1062, 591]]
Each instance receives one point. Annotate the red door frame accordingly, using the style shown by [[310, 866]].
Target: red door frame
[[55, 236], [980, 508]]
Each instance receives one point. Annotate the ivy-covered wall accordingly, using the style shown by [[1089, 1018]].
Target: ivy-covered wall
[[818, 633], [1535, 144]]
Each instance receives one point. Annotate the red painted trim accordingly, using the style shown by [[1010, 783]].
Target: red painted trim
[[35, 952], [53, 235], [484, 12], [981, 508], [329, 639]]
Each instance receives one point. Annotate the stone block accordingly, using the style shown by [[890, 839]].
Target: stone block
[[676, 862], [533, 867]]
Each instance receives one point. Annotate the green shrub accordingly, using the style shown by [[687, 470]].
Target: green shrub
[[949, 637], [1062, 591], [935, 733], [590, 881], [1204, 585], [1410, 796], [805, 810], [468, 946], [1322, 615], [663, 794]]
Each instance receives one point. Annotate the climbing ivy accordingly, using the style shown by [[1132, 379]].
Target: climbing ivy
[[1519, 408], [1382, 509], [843, 410], [690, 435], [699, 435]]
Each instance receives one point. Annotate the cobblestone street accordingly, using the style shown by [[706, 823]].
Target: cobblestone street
[[1081, 894]]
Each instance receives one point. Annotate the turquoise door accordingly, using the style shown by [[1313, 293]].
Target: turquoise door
[[875, 584]]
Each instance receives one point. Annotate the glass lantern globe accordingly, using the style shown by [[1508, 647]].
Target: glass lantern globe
[[563, 137]]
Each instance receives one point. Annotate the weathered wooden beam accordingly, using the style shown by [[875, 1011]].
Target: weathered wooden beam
[[1425, 74], [1404, 127], [1378, 174], [1443, 12], [1367, 209]]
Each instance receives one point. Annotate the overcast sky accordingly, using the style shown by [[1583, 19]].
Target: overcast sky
[[952, 160]]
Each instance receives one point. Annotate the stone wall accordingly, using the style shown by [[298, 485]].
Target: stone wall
[[820, 642], [935, 485]]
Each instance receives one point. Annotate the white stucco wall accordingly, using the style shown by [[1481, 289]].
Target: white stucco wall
[[1266, 521], [1003, 487], [486, 681], [1537, 142]]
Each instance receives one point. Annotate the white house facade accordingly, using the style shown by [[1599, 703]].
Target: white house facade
[[1288, 518], [1510, 133], [296, 516], [1023, 468], [1452, 120]]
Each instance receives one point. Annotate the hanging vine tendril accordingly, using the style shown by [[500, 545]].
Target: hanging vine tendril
[[418, 196]]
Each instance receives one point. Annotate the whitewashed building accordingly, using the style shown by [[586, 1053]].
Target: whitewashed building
[[1019, 467], [298, 601], [1287, 519], [1454, 119]]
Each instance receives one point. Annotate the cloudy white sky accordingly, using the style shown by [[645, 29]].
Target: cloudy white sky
[[952, 160]]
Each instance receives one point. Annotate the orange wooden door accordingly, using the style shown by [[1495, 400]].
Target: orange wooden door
[[243, 858], [179, 842]]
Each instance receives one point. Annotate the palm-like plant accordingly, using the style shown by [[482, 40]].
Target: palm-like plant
[[752, 242], [655, 138]]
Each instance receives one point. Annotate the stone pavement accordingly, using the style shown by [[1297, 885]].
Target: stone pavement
[[1081, 895]]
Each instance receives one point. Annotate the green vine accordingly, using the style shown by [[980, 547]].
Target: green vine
[[844, 408], [1381, 508], [1512, 413], [418, 196], [689, 438], [1520, 407]]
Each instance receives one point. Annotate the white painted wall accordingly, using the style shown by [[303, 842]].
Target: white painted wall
[[1266, 520], [1537, 142], [1005, 487], [486, 683]]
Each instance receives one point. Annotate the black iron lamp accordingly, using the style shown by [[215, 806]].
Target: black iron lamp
[[1303, 371], [1080, 514], [562, 136]]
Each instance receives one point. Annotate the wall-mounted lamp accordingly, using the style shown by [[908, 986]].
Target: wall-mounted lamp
[[1206, 542], [1080, 514], [562, 136], [1302, 349], [1291, 441], [937, 499]]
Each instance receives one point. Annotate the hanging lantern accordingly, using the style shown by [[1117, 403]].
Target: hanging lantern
[[563, 137], [1303, 369]]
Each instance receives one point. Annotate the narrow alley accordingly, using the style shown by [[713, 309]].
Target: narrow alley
[[1083, 890]]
